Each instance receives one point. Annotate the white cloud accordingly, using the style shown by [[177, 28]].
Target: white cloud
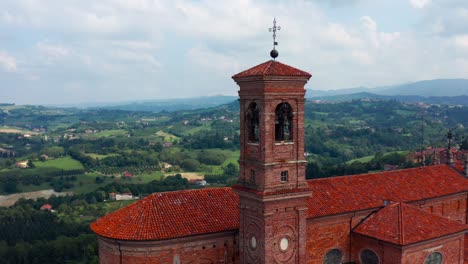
[[461, 41], [9, 18], [419, 3], [8, 62], [369, 23], [54, 51], [147, 44], [213, 61]]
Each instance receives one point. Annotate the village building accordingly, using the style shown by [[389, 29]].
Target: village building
[[127, 174], [6, 153], [438, 156], [46, 207], [22, 164], [274, 215], [121, 196], [198, 182]]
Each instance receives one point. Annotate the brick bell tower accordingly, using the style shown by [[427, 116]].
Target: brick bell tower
[[272, 187]]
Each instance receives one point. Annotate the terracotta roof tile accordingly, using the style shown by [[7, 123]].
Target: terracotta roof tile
[[173, 214], [272, 68], [193, 212], [403, 224], [358, 192]]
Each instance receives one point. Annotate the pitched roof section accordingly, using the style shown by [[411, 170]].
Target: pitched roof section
[[359, 192], [193, 212], [272, 68], [403, 224], [173, 214]]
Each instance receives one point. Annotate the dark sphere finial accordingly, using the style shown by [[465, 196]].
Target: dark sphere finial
[[274, 53]]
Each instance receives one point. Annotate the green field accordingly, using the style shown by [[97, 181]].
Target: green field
[[65, 163], [362, 160], [87, 183], [100, 156], [116, 205], [232, 157], [194, 129], [33, 188], [146, 177], [109, 133], [166, 136], [369, 158], [16, 130]]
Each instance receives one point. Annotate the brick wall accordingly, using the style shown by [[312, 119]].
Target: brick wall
[[270, 221], [453, 207], [386, 253], [450, 247], [215, 248], [332, 232]]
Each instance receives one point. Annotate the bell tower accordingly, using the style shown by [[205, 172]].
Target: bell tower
[[272, 188]]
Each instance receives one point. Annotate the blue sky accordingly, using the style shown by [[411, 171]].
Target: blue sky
[[56, 51]]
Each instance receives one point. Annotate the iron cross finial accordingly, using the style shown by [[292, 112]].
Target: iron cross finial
[[274, 52]]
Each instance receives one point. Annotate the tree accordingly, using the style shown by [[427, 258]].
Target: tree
[[190, 164], [464, 144], [231, 170], [31, 164], [54, 151]]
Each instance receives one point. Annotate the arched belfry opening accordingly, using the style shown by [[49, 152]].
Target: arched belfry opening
[[252, 119], [284, 122]]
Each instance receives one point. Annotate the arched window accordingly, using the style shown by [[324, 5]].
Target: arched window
[[369, 257], [283, 122], [333, 256], [434, 258], [252, 122]]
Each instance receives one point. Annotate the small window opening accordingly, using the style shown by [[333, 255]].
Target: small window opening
[[284, 176], [252, 176]]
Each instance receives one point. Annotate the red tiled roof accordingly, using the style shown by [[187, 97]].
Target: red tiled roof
[[193, 212], [46, 207], [403, 224], [173, 214], [272, 68], [128, 174], [358, 192]]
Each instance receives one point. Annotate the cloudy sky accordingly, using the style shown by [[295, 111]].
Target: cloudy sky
[[72, 51]]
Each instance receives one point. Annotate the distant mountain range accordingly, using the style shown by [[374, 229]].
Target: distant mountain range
[[446, 100], [173, 104], [440, 91], [438, 87]]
